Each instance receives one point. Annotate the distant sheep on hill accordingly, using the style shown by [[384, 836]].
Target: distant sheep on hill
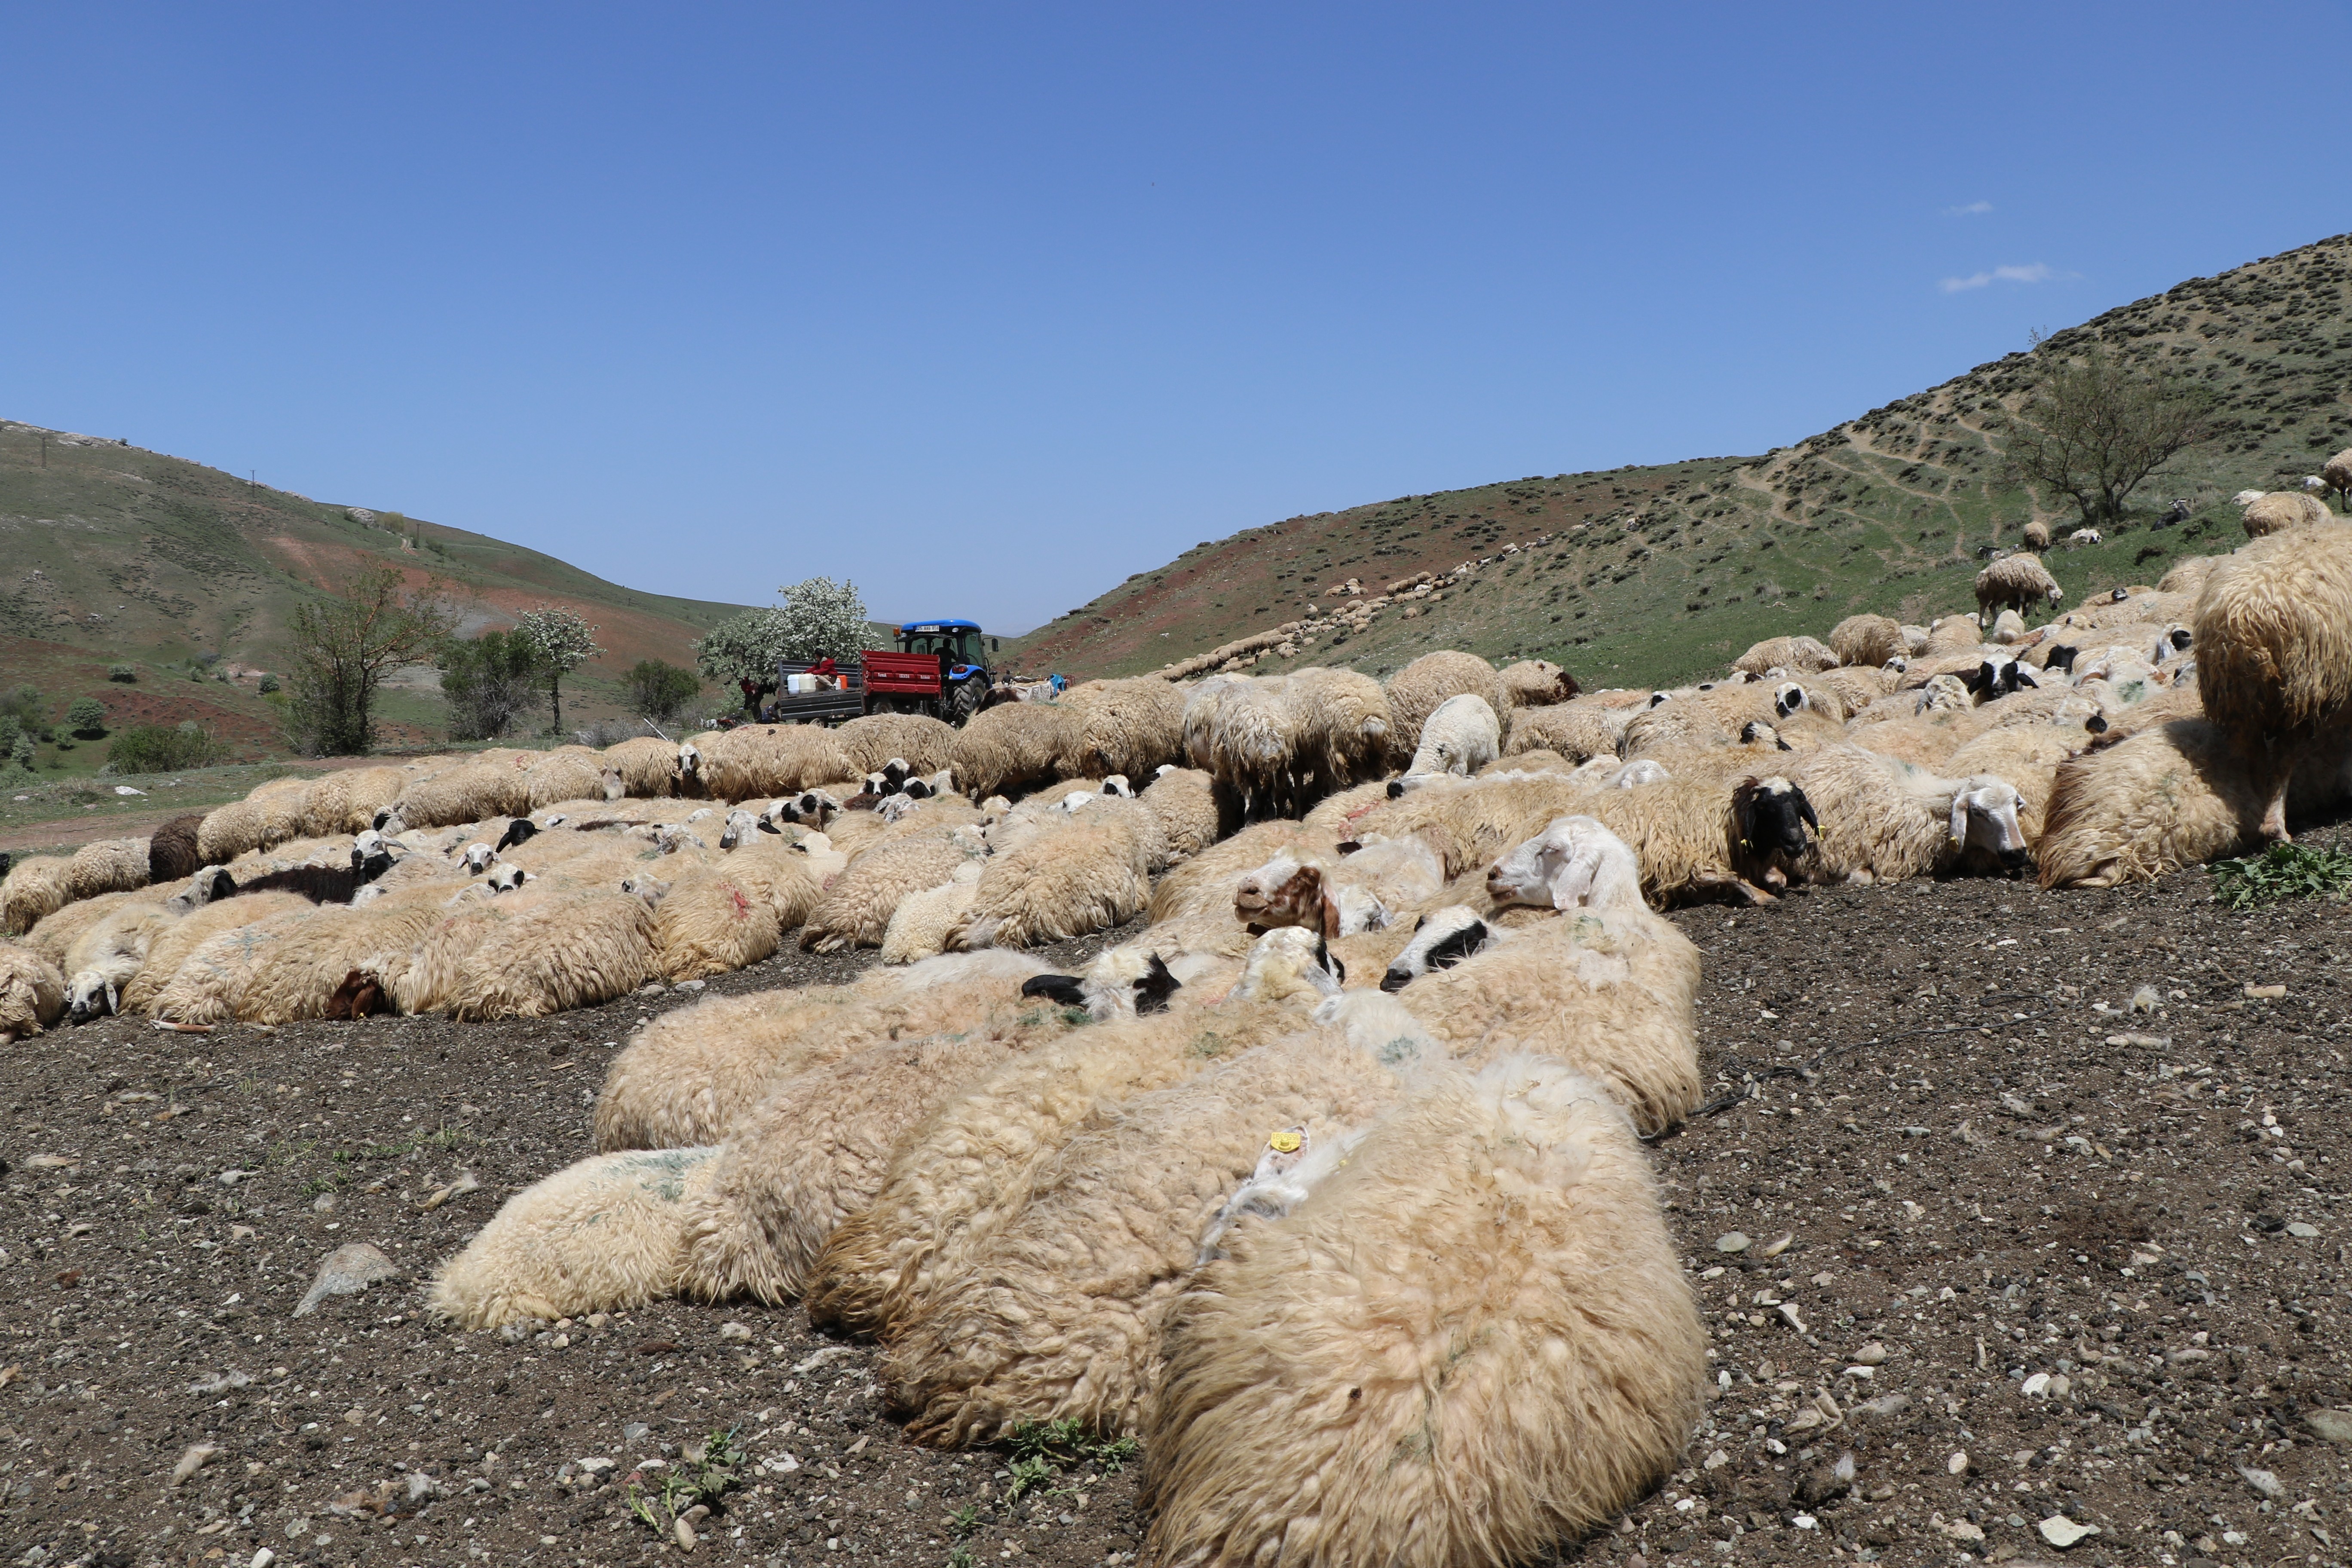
[[2037, 535]]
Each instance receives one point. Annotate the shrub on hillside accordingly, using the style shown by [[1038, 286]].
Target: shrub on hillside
[[164, 748], [268, 684], [121, 672], [658, 690], [87, 716], [491, 681]]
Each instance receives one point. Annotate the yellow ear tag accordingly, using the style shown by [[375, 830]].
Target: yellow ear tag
[[1284, 1143]]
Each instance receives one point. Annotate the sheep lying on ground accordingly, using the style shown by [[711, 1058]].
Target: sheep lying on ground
[[856, 910], [1579, 730], [32, 993], [1613, 993], [256, 822], [1470, 1342], [1186, 806], [970, 1166], [349, 799], [1056, 1315], [924, 743], [811, 1153], [173, 946], [172, 852], [2176, 796], [2274, 642], [1537, 683], [1697, 840], [104, 961], [571, 952], [1092, 873], [1798, 655], [648, 765], [606, 1233], [688, 1076], [1886, 820]]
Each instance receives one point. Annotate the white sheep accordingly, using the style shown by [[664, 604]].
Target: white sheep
[[1469, 1342], [1574, 863]]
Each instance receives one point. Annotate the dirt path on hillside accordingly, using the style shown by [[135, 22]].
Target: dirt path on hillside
[[2048, 1259]]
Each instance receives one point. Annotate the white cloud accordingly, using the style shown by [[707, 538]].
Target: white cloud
[[2040, 272], [1974, 209]]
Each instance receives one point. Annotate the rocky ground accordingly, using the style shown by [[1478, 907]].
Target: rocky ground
[[2022, 1265]]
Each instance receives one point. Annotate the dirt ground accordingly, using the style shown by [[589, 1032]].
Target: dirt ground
[[2051, 1262]]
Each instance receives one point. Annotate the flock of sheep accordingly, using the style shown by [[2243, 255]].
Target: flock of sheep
[[1328, 1181]]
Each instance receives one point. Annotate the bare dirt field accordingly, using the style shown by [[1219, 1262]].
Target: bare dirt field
[[2051, 1265]]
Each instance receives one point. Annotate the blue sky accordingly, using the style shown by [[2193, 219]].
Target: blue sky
[[988, 307]]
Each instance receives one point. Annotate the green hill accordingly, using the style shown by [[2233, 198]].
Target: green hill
[[114, 554], [1649, 575]]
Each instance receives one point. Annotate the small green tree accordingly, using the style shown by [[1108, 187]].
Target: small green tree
[[24, 705], [267, 684], [344, 647], [87, 716], [2094, 427], [121, 672], [21, 752], [658, 690], [560, 642], [491, 681], [820, 619]]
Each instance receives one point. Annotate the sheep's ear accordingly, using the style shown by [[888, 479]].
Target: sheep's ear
[[113, 1003], [2025, 679], [1805, 811], [1330, 922], [1743, 811], [1959, 817]]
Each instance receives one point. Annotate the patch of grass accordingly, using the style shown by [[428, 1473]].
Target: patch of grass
[[705, 1472], [2283, 872], [1041, 1449]]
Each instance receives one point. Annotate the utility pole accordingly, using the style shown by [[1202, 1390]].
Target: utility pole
[[45, 448]]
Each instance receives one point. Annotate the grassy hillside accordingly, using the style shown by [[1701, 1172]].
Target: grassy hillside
[[1649, 575], [110, 554]]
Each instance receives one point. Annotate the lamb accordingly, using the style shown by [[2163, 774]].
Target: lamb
[[1055, 1315], [2282, 510], [1468, 1343], [606, 1234], [2083, 536], [2037, 535], [172, 853], [1799, 655], [2015, 580], [1420, 687], [32, 993], [1866, 641], [1574, 863], [2273, 641], [103, 960], [925, 923], [1537, 683], [1460, 736]]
